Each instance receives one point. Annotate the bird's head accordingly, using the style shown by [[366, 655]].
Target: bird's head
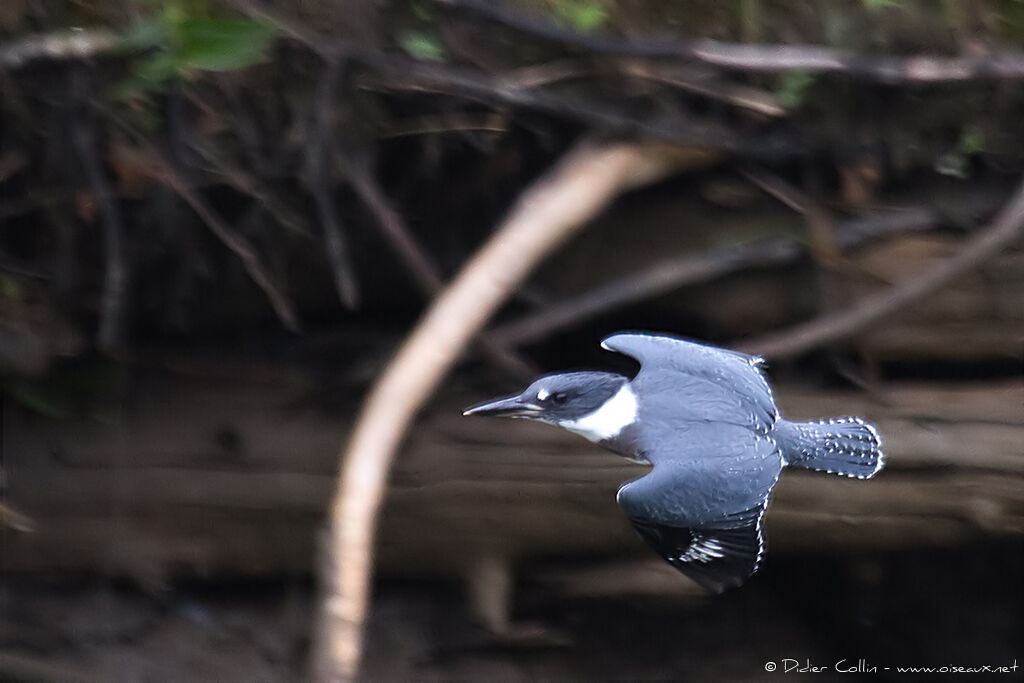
[[564, 399]]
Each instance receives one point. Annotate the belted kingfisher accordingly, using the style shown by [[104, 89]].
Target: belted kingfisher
[[706, 419]]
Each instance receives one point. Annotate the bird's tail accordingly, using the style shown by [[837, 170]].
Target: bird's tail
[[845, 445]]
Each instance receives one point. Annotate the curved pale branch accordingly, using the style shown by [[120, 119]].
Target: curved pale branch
[[547, 214]]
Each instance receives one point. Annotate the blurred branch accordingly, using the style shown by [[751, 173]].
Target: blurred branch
[[398, 74], [62, 45], [411, 76], [753, 58], [12, 518], [774, 186], [319, 143], [700, 80], [546, 214], [1007, 227], [709, 85], [760, 58], [249, 184], [882, 69], [670, 274], [241, 246], [112, 307], [426, 274], [294, 30], [821, 228], [445, 123]]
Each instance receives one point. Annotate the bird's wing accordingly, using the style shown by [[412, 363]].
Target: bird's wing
[[700, 507], [728, 380], [718, 555]]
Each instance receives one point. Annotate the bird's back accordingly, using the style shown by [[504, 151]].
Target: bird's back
[[683, 388]]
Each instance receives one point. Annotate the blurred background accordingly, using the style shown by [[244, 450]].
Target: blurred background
[[219, 219]]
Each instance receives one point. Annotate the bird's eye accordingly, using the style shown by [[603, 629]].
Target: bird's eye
[[559, 397]]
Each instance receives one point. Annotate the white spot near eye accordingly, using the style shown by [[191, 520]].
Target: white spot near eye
[[543, 394]]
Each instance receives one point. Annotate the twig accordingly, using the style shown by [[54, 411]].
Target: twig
[[112, 308], [545, 216], [890, 70], [16, 266], [821, 226], [388, 72], [12, 518], [446, 123], [92, 42], [708, 85], [822, 241], [672, 274], [702, 81], [241, 246], [426, 275], [1007, 226], [319, 142], [292, 29], [248, 183], [399, 75], [762, 58], [540, 75], [62, 45], [424, 272], [774, 186]]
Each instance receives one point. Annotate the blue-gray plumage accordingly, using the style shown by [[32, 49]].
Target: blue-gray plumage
[[706, 419]]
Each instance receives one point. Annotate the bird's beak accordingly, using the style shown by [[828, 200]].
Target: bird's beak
[[512, 406]]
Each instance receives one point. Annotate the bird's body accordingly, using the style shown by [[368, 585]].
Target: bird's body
[[706, 420]]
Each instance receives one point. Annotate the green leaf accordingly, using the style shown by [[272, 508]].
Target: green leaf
[[422, 45], [584, 16], [221, 43], [972, 141], [875, 5], [793, 87], [153, 72]]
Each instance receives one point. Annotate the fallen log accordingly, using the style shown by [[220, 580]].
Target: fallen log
[[215, 477]]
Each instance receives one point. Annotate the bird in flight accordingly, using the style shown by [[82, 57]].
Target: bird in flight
[[706, 420]]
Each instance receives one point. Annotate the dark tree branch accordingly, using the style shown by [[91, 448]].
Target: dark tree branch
[[238, 244], [425, 273], [112, 308], [319, 143], [1007, 227], [710, 85], [405, 75], [249, 184], [672, 274], [692, 78], [761, 58], [752, 58]]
